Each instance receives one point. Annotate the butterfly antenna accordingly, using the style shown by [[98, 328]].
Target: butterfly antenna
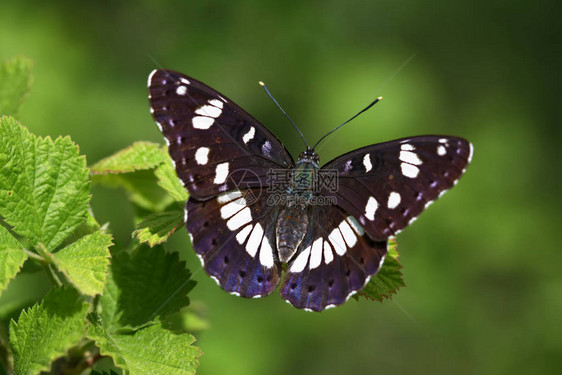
[[286, 115], [357, 114]]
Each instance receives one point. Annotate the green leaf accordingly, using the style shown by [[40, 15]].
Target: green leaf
[[12, 257], [389, 278], [47, 330], [89, 226], [85, 262], [156, 228], [44, 186], [169, 181], [15, 82], [146, 285], [140, 187], [138, 156], [149, 350]]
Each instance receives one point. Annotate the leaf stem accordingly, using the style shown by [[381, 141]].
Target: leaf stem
[[34, 256], [52, 274]]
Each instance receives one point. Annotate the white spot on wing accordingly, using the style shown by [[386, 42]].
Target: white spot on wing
[[410, 157], [407, 147], [209, 110], [201, 259], [316, 253], [216, 103], [249, 135], [221, 172], [150, 77], [241, 218], [470, 153], [409, 170], [393, 200], [441, 150], [381, 262], [300, 263], [243, 234], [328, 255], [348, 234], [355, 225], [230, 196], [183, 80], [371, 208], [266, 148], [216, 280], [367, 162], [201, 155], [181, 90], [202, 122], [347, 166], [443, 140], [337, 242], [255, 240], [233, 207], [350, 295], [266, 253]]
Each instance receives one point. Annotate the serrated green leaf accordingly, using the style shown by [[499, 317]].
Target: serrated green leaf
[[156, 228], [149, 350], [389, 278], [140, 187], [47, 330], [169, 181], [88, 226], [85, 262], [146, 285], [12, 257], [44, 185], [138, 156], [15, 82]]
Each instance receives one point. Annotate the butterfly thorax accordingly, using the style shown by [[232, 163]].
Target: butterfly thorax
[[292, 222]]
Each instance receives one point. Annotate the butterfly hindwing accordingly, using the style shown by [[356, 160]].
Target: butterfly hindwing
[[233, 235], [335, 260], [387, 185], [212, 141]]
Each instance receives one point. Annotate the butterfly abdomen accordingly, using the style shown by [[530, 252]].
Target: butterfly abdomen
[[292, 225]]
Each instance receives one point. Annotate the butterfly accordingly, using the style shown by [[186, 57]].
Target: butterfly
[[254, 213]]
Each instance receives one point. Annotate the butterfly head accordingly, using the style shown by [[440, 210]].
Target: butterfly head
[[309, 156]]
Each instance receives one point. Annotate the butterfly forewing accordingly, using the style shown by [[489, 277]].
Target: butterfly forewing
[[212, 141], [386, 186]]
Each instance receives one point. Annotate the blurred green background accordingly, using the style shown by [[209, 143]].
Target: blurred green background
[[484, 287]]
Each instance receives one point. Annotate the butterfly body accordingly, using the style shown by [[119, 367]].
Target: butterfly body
[[252, 209]]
